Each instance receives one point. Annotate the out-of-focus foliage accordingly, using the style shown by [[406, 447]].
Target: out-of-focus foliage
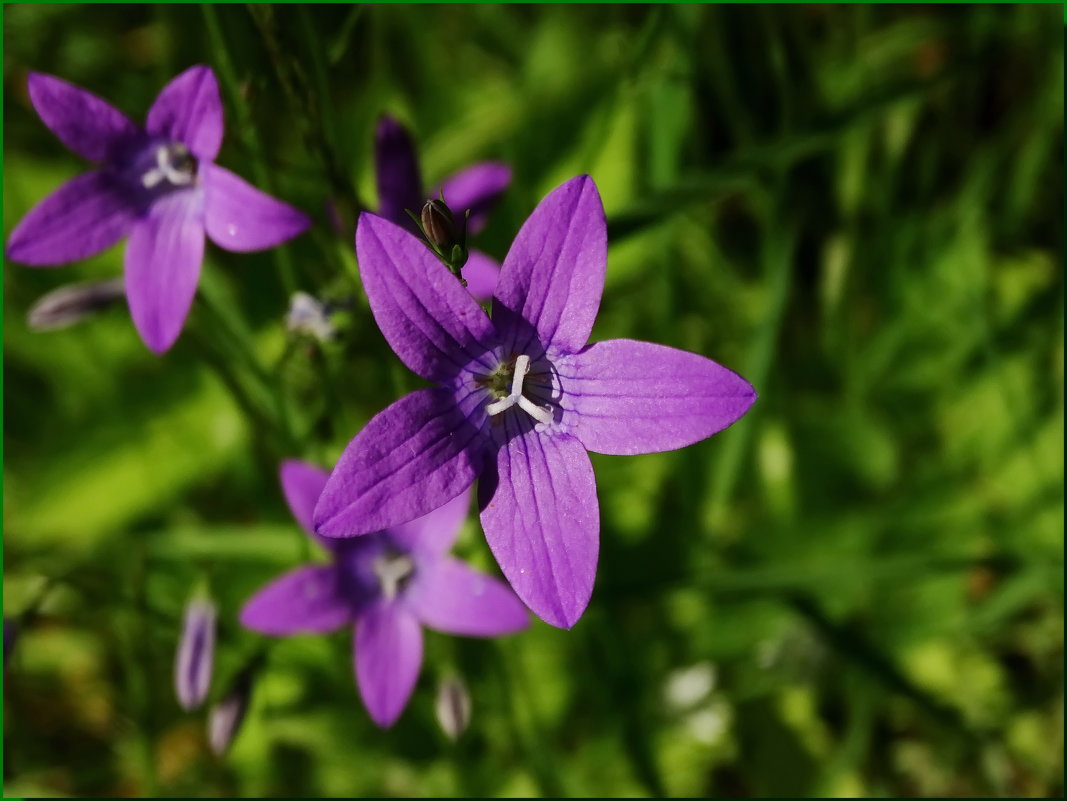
[[856, 590]]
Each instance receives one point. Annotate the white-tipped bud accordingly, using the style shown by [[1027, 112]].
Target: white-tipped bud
[[453, 707], [309, 316], [196, 654], [72, 303], [225, 719]]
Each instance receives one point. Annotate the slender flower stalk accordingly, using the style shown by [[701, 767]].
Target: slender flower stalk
[[158, 185], [475, 189], [388, 585], [517, 400]]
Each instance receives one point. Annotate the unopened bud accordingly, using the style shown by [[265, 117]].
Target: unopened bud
[[225, 719], [196, 654], [453, 707], [72, 303], [439, 225], [310, 316]]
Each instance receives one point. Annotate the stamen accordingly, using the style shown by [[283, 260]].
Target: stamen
[[542, 414]]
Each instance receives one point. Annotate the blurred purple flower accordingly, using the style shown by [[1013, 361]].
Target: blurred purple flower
[[389, 584], [518, 400], [196, 654], [159, 185], [477, 188]]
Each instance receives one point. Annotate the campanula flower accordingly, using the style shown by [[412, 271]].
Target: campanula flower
[[158, 185], [517, 400], [400, 187], [196, 654], [389, 584]]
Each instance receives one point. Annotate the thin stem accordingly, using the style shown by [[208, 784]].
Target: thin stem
[[247, 131]]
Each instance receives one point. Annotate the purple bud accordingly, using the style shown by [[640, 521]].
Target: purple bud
[[453, 707], [439, 225], [72, 303], [196, 654], [226, 717]]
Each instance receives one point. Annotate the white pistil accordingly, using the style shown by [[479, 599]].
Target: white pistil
[[165, 171], [392, 570], [541, 414]]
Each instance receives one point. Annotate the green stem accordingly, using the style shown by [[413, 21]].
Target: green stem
[[247, 131]]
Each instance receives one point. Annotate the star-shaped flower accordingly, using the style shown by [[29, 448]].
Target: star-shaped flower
[[390, 584], [400, 187], [157, 184], [518, 399]]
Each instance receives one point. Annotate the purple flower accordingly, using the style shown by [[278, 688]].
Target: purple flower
[[518, 399], [477, 188], [389, 584], [196, 654], [159, 185]]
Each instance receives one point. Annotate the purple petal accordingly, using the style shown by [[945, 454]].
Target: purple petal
[[239, 217], [308, 599], [428, 318], [481, 273], [451, 597], [85, 216], [542, 522], [163, 260], [302, 484], [413, 457], [88, 125], [196, 654], [388, 658], [189, 110], [628, 397], [436, 532], [396, 167], [477, 188], [554, 273]]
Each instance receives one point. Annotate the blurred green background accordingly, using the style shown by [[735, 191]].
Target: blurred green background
[[856, 590]]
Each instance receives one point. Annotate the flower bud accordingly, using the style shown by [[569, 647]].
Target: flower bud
[[225, 719], [308, 315], [196, 654], [453, 707], [72, 303], [439, 225]]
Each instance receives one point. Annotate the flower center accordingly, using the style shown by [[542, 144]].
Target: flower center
[[175, 166], [393, 570], [496, 383]]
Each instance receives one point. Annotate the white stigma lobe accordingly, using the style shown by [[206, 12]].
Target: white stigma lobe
[[541, 414]]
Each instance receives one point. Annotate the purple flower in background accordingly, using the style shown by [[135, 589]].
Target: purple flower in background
[[477, 188], [518, 399], [196, 654], [159, 185], [390, 584]]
